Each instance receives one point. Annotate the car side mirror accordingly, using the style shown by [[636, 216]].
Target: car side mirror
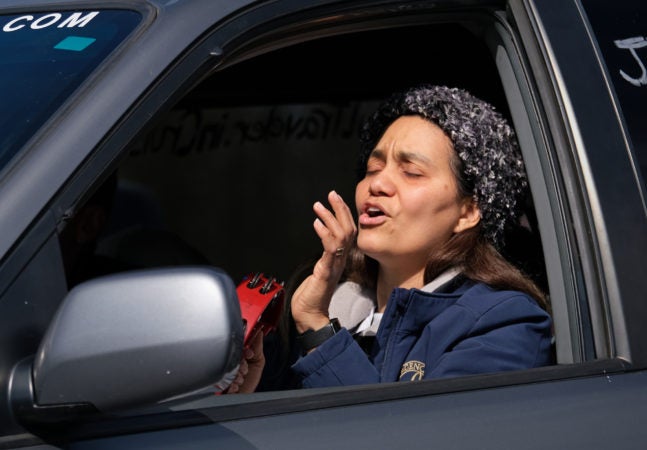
[[132, 339]]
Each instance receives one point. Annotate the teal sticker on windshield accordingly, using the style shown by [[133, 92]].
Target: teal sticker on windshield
[[74, 43]]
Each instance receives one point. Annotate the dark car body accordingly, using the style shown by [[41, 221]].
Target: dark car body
[[234, 117]]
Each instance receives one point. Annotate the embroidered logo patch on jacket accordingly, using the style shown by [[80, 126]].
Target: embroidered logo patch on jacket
[[416, 368]]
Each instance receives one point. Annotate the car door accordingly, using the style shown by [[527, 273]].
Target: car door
[[596, 141], [587, 197]]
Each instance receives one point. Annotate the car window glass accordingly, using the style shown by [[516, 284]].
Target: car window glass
[[622, 39], [44, 57]]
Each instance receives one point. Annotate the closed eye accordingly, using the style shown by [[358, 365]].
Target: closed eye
[[412, 174], [411, 169], [373, 168]]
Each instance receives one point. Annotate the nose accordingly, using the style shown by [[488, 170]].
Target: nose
[[381, 183]]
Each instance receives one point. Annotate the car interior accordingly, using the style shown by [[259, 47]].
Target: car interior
[[233, 169]]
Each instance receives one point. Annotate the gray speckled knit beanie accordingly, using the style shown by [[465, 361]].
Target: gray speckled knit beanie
[[483, 140]]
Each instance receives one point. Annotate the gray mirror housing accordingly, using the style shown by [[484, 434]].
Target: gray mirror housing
[[140, 337]]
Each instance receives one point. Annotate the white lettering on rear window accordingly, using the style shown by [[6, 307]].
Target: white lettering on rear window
[[632, 44], [15, 24], [77, 20], [74, 20], [45, 21]]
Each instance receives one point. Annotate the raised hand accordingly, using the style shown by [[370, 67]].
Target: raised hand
[[337, 230]]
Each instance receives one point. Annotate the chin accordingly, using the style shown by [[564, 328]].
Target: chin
[[371, 249]]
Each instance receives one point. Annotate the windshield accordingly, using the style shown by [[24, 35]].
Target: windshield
[[44, 57]]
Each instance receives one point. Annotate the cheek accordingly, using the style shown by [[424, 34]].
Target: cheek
[[431, 205], [360, 189], [419, 202]]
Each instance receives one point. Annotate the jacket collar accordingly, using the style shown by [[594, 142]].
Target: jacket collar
[[352, 303]]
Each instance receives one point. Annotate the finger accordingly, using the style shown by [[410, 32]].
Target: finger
[[328, 240], [332, 240], [256, 344], [336, 228], [244, 368], [343, 213], [328, 227]]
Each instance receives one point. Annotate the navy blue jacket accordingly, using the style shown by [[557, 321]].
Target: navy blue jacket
[[468, 330]]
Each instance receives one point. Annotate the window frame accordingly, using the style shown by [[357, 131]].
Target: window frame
[[232, 47]]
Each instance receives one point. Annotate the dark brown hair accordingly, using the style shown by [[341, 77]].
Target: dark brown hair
[[469, 250]]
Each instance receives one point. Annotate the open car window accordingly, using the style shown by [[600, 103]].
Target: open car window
[[234, 168], [228, 176]]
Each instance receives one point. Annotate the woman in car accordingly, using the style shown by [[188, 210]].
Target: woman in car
[[417, 287], [427, 293]]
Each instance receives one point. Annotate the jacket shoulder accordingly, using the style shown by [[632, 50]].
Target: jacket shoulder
[[490, 306]]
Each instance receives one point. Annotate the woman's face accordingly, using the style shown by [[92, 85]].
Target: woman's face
[[408, 202]]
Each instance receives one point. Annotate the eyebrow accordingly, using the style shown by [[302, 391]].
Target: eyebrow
[[401, 155]]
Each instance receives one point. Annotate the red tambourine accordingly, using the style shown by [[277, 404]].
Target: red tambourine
[[261, 303]]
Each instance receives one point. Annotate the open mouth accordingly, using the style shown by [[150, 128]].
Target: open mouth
[[374, 212]]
